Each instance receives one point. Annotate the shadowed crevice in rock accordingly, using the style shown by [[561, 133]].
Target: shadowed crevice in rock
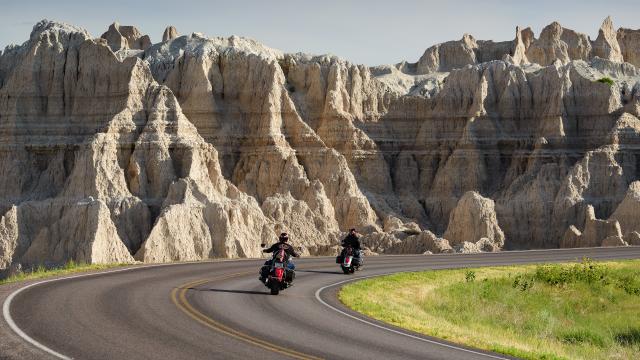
[[197, 147]]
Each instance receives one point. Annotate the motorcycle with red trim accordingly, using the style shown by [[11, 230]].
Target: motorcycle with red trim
[[277, 274]]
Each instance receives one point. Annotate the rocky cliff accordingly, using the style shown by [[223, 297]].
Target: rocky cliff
[[116, 149]]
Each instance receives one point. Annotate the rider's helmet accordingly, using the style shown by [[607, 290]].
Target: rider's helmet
[[352, 231], [284, 237]]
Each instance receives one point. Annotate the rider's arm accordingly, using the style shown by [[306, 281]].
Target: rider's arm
[[270, 249]]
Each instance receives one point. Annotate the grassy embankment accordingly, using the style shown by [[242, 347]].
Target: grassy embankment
[[70, 267], [588, 310]]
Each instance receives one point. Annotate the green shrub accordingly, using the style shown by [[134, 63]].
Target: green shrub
[[630, 284], [470, 275], [628, 338], [580, 336], [523, 282], [587, 271], [606, 80]]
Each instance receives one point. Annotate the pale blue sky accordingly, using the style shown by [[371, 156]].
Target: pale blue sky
[[369, 32]]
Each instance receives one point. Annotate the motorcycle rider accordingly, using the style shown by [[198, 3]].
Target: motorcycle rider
[[352, 240], [288, 249]]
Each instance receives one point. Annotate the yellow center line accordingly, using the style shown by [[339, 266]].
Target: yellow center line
[[178, 297]]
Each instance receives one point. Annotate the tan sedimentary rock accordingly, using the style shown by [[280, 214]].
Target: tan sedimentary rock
[[8, 237], [202, 215], [613, 241], [99, 197], [379, 241], [606, 45], [628, 211], [143, 43], [448, 56], [421, 243], [596, 232], [632, 238], [558, 43], [405, 242], [549, 47], [482, 245], [393, 224], [571, 238], [600, 179], [121, 37], [520, 47], [578, 44], [114, 38], [528, 37], [305, 228], [316, 171], [629, 41], [205, 147], [474, 218], [487, 245], [84, 232], [169, 33]]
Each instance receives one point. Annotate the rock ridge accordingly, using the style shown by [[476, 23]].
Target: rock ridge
[[115, 149]]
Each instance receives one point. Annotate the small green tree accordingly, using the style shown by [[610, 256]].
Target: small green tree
[[606, 80]]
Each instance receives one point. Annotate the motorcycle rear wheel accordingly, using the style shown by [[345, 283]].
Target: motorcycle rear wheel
[[345, 269], [275, 288]]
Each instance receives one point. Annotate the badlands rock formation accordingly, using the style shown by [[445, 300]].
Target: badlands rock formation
[[115, 149], [474, 219], [170, 33]]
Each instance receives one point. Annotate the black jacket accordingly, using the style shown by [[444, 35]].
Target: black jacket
[[287, 249], [351, 240]]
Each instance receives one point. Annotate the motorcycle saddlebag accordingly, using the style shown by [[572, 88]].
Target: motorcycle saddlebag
[[339, 259], [290, 275], [264, 271]]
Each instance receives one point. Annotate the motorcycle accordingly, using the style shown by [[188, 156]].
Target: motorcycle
[[349, 263], [277, 275]]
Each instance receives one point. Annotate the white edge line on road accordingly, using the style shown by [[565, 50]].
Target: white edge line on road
[[7, 317], [6, 313], [390, 329]]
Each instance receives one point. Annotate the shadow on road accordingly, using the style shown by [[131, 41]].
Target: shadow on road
[[234, 291], [320, 271]]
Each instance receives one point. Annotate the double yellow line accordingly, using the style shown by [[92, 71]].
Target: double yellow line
[[179, 298]]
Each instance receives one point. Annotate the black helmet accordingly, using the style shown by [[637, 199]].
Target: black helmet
[[284, 237]]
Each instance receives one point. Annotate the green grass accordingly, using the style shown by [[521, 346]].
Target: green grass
[[70, 267], [606, 80], [587, 310]]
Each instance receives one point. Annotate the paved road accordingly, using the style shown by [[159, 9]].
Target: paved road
[[219, 310]]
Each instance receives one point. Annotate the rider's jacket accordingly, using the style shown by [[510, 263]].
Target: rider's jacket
[[351, 240], [282, 245]]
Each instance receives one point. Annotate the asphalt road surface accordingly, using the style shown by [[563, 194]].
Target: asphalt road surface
[[219, 310]]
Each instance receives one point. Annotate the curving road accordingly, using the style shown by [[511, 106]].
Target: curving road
[[220, 310]]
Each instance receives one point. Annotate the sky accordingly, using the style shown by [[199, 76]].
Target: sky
[[369, 32]]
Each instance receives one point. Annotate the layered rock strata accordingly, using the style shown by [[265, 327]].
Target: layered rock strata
[[116, 149]]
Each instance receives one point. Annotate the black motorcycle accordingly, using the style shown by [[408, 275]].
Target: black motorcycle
[[349, 262], [276, 274]]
